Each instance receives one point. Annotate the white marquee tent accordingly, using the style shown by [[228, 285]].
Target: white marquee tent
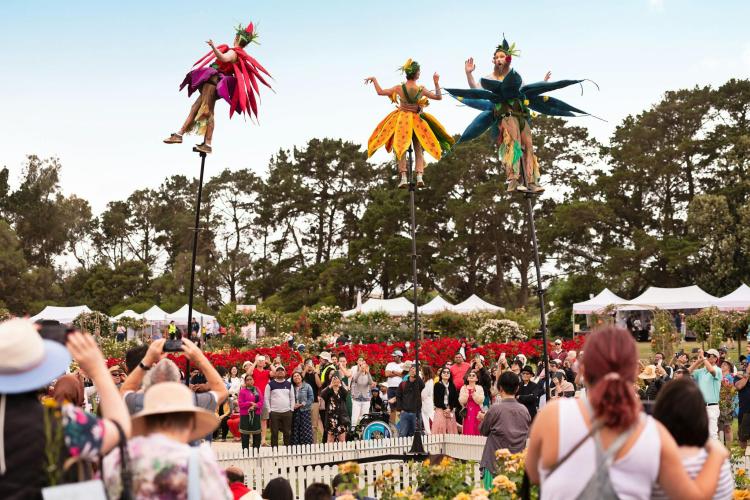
[[61, 314], [597, 304], [738, 300], [687, 297], [436, 305], [128, 313], [394, 307], [475, 304], [156, 313], [181, 316]]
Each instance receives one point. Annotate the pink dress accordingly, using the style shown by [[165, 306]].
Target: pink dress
[[471, 422]]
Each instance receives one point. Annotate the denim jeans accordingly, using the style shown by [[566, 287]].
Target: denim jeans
[[407, 424]]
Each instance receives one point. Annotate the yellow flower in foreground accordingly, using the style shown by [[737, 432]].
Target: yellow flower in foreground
[[416, 496], [741, 495], [525, 102], [349, 468], [346, 497], [504, 483], [502, 453], [387, 473], [479, 494], [462, 496], [445, 462], [49, 402], [740, 472]]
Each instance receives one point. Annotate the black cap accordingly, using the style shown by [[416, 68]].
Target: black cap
[[527, 369]]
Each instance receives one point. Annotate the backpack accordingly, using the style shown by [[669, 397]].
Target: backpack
[[599, 485]]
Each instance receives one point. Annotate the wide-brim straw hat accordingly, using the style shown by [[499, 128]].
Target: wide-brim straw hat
[[28, 362], [648, 373], [173, 397]]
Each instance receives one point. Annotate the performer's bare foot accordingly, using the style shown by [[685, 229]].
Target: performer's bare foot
[[420, 181], [404, 182], [202, 148], [173, 139], [535, 188], [512, 186]]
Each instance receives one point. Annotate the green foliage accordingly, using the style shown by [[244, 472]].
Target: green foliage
[[499, 330], [450, 324], [4, 314], [95, 323], [113, 349], [665, 338], [712, 326]]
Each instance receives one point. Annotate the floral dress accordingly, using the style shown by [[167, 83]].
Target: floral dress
[[726, 401], [160, 470], [336, 420]]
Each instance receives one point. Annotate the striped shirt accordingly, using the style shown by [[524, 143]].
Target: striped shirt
[[693, 466]]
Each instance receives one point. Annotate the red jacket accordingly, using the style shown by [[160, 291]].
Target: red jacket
[[238, 490]]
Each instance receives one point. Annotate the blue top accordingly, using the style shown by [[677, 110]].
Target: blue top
[[709, 384]]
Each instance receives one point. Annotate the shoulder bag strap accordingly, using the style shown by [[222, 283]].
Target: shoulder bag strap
[[194, 475], [596, 425], [126, 475]]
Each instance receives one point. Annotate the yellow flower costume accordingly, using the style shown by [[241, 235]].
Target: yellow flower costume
[[396, 130]]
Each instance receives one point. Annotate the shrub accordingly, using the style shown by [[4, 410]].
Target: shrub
[[500, 330]]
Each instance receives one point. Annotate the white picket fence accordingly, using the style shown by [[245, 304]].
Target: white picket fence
[[300, 464]]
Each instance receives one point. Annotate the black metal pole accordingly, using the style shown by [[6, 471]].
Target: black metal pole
[[539, 285], [195, 251], [417, 447]]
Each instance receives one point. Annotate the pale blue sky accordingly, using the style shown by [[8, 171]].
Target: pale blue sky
[[95, 82]]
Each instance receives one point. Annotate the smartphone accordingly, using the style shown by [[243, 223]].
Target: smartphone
[[53, 330], [695, 350], [173, 345]]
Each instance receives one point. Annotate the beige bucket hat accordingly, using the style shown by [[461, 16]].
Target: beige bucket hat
[[173, 397]]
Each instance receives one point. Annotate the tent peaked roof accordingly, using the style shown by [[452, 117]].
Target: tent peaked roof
[[436, 305], [686, 297], [395, 307], [738, 300], [61, 314], [475, 304], [597, 304], [155, 313], [128, 313], [181, 315]]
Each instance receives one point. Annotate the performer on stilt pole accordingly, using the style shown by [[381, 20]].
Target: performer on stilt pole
[[409, 124], [227, 73], [506, 106]]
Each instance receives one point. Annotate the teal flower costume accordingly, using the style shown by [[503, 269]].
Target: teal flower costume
[[506, 99]]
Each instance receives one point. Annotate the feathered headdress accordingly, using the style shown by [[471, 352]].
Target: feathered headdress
[[247, 35], [410, 67], [509, 49]]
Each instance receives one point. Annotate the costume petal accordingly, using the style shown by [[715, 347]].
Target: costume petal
[[403, 132], [426, 137], [475, 94], [538, 88], [480, 104], [478, 126], [382, 133]]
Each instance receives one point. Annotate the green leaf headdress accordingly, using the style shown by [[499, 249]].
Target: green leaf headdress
[[409, 68], [509, 49], [247, 35]]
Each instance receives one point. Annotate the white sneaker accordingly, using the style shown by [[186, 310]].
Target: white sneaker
[[404, 183], [420, 181]]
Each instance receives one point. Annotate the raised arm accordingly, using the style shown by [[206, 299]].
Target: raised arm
[[434, 95], [135, 378], [213, 380], [378, 88], [469, 67], [227, 57], [674, 479], [84, 350]]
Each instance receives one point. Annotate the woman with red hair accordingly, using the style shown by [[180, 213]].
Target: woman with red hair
[[570, 438]]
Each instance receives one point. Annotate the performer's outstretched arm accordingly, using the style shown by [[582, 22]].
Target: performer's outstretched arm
[[227, 57], [378, 89], [434, 95], [469, 67]]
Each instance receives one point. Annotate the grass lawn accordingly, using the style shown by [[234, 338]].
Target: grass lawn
[[644, 351]]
